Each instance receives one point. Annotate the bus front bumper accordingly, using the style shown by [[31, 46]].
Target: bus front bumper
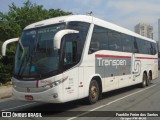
[[49, 96]]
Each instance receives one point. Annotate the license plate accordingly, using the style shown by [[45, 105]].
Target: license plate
[[28, 97]]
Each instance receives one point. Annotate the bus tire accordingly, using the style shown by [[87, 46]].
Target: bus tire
[[93, 92], [144, 80], [149, 79]]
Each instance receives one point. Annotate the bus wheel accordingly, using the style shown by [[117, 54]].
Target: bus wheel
[[149, 79], [93, 92], [144, 82]]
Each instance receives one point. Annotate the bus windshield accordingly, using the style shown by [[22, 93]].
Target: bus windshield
[[35, 55]]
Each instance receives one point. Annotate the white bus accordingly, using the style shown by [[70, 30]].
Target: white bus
[[78, 56]]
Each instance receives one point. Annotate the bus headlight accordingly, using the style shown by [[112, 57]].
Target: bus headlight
[[54, 84]]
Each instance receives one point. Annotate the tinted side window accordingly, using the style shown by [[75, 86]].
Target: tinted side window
[[127, 43], [114, 40], [146, 47], [70, 56], [143, 46], [82, 27], [99, 40], [154, 48], [70, 53], [139, 45], [151, 49], [135, 46]]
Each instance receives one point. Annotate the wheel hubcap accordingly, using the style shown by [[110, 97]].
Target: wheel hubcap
[[94, 92], [144, 82]]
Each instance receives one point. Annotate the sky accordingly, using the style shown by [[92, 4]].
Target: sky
[[125, 13]]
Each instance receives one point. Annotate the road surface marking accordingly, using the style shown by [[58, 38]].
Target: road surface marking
[[110, 103], [18, 106]]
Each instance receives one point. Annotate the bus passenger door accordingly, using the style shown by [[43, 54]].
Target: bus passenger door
[[136, 69], [71, 70]]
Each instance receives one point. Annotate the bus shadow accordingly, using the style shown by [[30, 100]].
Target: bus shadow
[[119, 91], [122, 91]]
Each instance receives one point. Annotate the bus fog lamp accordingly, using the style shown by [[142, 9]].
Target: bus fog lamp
[[55, 95]]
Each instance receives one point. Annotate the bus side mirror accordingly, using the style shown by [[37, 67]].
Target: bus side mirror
[[59, 35], [4, 46]]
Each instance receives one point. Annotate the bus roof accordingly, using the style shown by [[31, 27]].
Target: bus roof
[[86, 18]]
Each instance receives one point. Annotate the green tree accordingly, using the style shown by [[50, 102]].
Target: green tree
[[12, 24], [8, 27], [57, 12]]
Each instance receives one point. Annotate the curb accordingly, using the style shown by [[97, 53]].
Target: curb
[[5, 96], [5, 92]]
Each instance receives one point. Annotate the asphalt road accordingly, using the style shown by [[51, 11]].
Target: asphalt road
[[129, 99]]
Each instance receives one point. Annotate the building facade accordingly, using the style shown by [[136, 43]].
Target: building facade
[[144, 30]]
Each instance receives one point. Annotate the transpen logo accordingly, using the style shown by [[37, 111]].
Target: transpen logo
[[111, 62]]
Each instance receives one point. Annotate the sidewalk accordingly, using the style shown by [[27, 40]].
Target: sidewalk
[[5, 92]]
